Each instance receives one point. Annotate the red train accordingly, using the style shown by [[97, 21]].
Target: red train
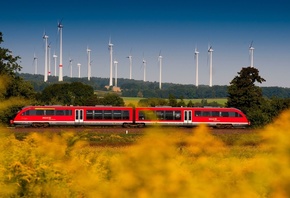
[[44, 116]]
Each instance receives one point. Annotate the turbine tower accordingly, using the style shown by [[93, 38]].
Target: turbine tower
[[111, 62], [35, 64], [60, 26], [251, 50], [79, 66], [130, 61], [196, 66], [70, 63], [89, 63], [210, 50], [116, 72], [160, 68], [48, 59], [144, 67], [45, 37], [54, 57]]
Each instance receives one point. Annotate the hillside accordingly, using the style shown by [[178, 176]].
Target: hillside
[[138, 88]]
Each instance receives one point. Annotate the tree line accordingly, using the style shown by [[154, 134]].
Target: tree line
[[138, 88]]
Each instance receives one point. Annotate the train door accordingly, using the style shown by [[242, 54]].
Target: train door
[[79, 116], [187, 116]]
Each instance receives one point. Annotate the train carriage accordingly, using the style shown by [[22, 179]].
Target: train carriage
[[191, 116], [44, 116]]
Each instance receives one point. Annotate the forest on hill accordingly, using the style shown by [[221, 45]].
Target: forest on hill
[[138, 88]]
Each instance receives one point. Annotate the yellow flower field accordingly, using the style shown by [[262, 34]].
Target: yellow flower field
[[161, 163]]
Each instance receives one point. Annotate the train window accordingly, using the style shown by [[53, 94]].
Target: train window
[[238, 115], [126, 115], [27, 112], [59, 112], [68, 112], [225, 114], [141, 115], [89, 115], [231, 114], [215, 113], [108, 114], [98, 114], [206, 113], [160, 115], [197, 113], [177, 115], [39, 112], [49, 112], [169, 115], [117, 115]]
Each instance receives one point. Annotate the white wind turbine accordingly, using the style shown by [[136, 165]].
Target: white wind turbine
[[210, 50], [54, 57], [144, 67], [89, 63], [70, 63], [48, 59], [45, 37], [196, 66], [60, 26], [35, 64], [160, 68], [79, 67], [111, 62], [251, 51], [130, 61], [116, 73]]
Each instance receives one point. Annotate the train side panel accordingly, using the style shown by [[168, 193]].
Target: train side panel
[[73, 115]]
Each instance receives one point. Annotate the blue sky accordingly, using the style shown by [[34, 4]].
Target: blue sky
[[147, 27]]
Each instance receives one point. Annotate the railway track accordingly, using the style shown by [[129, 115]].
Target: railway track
[[123, 130]]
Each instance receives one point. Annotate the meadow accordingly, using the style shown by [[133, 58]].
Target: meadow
[[135, 100], [162, 162]]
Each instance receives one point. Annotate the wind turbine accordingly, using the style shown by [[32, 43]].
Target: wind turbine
[[130, 61], [111, 62], [210, 50], [60, 26], [116, 72], [89, 63], [54, 57], [251, 50], [160, 68], [79, 66], [35, 64], [196, 65], [144, 67], [70, 63], [45, 37], [48, 59]]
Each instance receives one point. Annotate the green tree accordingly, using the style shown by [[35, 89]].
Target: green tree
[[172, 101], [245, 95], [14, 91], [8, 62], [113, 99], [75, 93]]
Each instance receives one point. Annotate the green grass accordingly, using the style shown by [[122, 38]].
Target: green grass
[[135, 100]]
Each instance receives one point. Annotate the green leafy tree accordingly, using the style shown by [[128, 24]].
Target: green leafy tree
[[14, 91], [75, 93], [245, 95], [113, 99], [172, 101]]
